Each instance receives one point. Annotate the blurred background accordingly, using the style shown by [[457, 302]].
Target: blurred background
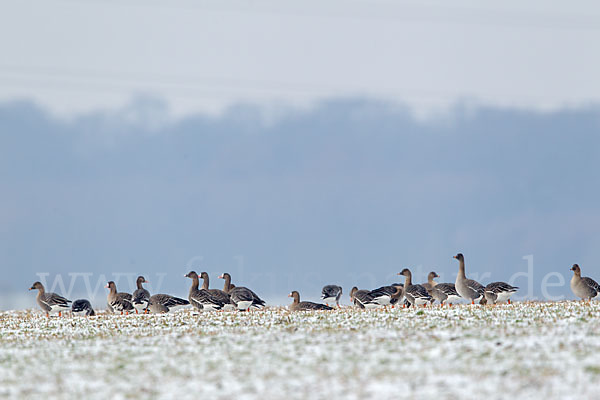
[[296, 144]]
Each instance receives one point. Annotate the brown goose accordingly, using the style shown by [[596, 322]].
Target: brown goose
[[363, 298], [218, 293], [243, 298], [202, 299], [140, 296], [445, 293], [298, 305], [119, 301], [163, 303], [430, 282], [415, 294], [387, 295], [467, 288], [499, 291], [584, 288], [50, 302]]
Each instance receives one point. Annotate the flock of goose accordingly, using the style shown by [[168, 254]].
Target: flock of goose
[[239, 298]]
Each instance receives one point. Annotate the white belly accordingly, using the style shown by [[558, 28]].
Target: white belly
[[453, 299], [210, 307], [504, 296], [421, 301], [57, 308], [244, 305], [383, 300], [329, 300]]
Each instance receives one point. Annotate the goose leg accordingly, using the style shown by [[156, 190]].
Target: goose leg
[[136, 311], [47, 315], [508, 301]]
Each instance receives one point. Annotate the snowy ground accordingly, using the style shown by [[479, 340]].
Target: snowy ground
[[522, 351]]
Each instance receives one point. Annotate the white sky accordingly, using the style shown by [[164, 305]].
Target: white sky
[[76, 56]]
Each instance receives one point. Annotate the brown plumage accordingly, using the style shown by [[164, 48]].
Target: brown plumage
[[298, 305], [50, 302], [119, 301]]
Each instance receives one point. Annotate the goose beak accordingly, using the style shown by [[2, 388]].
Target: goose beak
[[221, 277], [455, 257], [106, 286], [290, 295], [31, 288], [145, 281]]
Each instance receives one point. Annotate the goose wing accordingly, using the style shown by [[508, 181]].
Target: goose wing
[[221, 295], [362, 298], [331, 291], [383, 291], [168, 300], [500, 287], [447, 288], [475, 286], [81, 305], [418, 292], [53, 299], [202, 297], [122, 302], [592, 283], [140, 297], [309, 305]]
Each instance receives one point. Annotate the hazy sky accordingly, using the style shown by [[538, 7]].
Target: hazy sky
[[204, 55], [350, 193], [300, 155]]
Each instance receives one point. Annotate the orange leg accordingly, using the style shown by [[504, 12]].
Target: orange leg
[[509, 301], [47, 315], [136, 311], [472, 301], [121, 312], [60, 313]]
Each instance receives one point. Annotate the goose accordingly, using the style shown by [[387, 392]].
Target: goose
[[50, 302], [163, 303], [584, 288], [499, 291], [222, 295], [387, 295], [201, 298], [298, 305], [242, 297], [430, 282], [362, 299], [119, 301], [467, 288], [331, 293], [140, 296], [415, 294], [82, 307], [445, 293]]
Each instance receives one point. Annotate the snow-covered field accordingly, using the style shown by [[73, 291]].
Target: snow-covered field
[[526, 350]]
